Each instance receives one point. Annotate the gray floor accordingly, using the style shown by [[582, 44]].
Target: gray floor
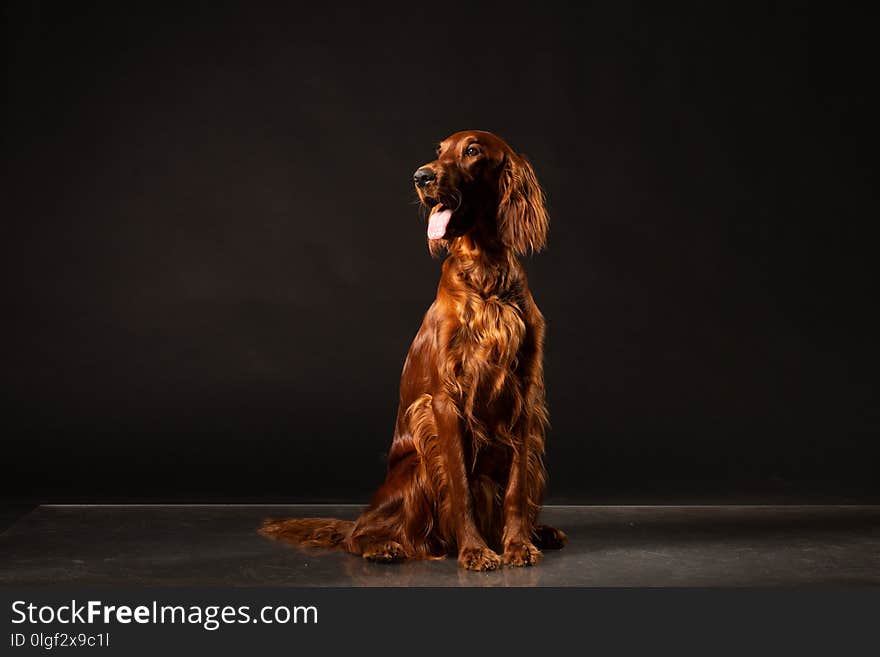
[[610, 546]]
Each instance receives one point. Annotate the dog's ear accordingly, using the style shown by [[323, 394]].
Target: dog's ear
[[522, 214]]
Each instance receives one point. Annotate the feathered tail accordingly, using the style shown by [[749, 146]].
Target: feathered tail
[[311, 532]]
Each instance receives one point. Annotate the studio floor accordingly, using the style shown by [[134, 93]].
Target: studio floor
[[610, 546]]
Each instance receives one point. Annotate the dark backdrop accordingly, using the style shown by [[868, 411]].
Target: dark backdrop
[[214, 266]]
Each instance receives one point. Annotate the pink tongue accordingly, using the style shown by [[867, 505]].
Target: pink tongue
[[437, 223]]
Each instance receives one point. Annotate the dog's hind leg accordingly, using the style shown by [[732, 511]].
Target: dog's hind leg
[[549, 538]]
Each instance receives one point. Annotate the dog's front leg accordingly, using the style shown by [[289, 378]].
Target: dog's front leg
[[456, 505], [519, 512]]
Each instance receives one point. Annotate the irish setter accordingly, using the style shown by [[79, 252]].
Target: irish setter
[[465, 469]]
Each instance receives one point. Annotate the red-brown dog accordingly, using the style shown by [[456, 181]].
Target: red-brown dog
[[465, 470]]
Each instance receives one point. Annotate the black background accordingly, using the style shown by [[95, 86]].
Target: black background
[[214, 266]]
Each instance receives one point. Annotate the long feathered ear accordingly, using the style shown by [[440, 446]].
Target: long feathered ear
[[522, 214]]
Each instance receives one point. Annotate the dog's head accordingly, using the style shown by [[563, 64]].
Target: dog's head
[[478, 181]]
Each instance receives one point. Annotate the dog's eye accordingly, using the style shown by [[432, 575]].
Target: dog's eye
[[471, 151]]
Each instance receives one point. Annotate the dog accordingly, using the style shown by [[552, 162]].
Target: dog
[[465, 470]]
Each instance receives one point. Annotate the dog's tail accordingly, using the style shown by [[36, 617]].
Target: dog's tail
[[309, 532]]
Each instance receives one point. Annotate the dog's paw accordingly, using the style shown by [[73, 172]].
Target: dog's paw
[[478, 558], [520, 553], [550, 538], [384, 552]]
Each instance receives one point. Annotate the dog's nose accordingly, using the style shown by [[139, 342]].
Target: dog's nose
[[424, 176]]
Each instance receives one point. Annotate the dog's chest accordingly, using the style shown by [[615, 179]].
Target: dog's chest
[[486, 350], [490, 336], [491, 327]]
